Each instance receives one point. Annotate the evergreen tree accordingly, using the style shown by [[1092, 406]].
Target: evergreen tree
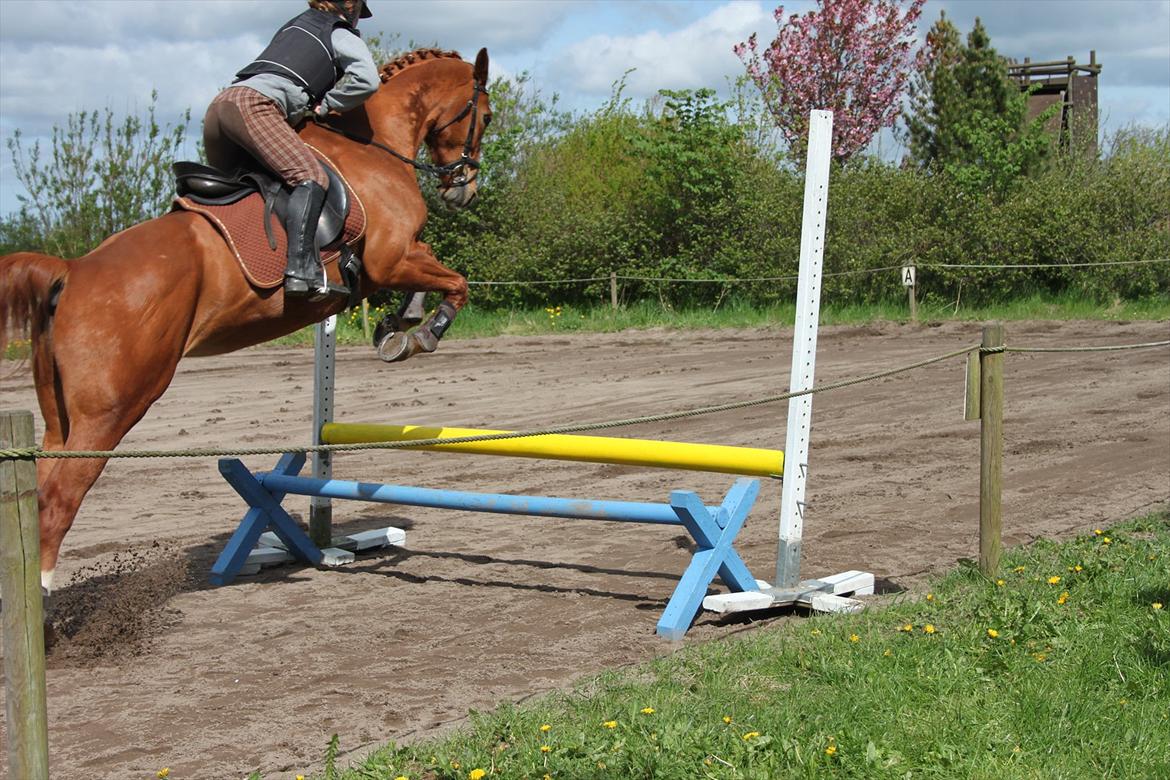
[[968, 116]]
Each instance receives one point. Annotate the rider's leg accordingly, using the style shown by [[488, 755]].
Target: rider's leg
[[255, 123]]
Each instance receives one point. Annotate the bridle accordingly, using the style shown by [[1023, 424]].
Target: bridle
[[457, 169]]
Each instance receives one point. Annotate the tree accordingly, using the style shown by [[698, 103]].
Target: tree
[[968, 116], [100, 177], [853, 57]]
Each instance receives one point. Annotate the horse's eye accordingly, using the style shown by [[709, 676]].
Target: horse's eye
[[487, 119]]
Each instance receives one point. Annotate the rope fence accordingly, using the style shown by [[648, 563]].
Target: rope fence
[[852, 272], [32, 453]]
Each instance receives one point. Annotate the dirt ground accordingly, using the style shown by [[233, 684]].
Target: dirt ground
[[156, 668]]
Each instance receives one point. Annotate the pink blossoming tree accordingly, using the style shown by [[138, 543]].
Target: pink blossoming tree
[[852, 57]]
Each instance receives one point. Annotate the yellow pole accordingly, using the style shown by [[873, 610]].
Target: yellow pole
[[592, 449]]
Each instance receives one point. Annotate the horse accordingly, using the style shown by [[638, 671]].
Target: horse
[[108, 329]]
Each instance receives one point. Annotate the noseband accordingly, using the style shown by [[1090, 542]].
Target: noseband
[[457, 169]]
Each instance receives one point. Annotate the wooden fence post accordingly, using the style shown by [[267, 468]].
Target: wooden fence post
[[991, 450], [20, 580], [613, 289]]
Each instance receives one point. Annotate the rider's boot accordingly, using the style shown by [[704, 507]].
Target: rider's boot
[[304, 276]]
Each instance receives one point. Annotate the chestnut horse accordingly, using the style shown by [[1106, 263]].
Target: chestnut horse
[[108, 329]]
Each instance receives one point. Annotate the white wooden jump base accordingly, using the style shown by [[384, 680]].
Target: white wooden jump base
[[713, 527]]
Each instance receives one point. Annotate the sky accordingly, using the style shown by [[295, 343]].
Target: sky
[[63, 56]]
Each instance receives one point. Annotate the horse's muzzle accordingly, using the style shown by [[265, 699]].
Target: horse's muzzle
[[459, 197]]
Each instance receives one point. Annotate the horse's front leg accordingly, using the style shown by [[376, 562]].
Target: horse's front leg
[[420, 270]]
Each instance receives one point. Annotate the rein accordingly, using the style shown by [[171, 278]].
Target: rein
[[457, 168]]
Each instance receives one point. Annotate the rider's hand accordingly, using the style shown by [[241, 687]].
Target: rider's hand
[[320, 111]]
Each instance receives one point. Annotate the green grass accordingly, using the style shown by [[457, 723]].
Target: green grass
[[1074, 683], [474, 322]]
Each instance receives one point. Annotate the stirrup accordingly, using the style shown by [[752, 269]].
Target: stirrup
[[315, 290]]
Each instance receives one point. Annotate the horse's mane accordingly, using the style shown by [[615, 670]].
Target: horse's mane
[[400, 64]]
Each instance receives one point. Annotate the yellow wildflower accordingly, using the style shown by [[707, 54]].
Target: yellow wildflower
[[1157, 605], [476, 774], [751, 735], [1054, 580], [1039, 657], [1097, 531], [727, 719], [908, 627], [1106, 540], [991, 632], [400, 777], [647, 710], [815, 632], [854, 638], [545, 749], [887, 654], [166, 770], [1063, 598], [545, 727], [610, 724], [928, 628], [999, 583], [1018, 569], [1078, 567], [930, 597], [830, 750]]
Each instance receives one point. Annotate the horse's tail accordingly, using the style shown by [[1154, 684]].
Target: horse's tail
[[28, 284]]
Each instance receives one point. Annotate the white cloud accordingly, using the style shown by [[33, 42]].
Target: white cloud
[[698, 55]]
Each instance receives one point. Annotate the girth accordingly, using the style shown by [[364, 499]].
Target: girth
[[213, 187]]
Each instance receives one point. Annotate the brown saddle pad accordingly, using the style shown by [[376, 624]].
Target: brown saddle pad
[[242, 225]]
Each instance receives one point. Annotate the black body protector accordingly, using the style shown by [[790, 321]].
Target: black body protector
[[302, 51]]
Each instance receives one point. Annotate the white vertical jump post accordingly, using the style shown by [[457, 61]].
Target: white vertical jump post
[[822, 594], [324, 352]]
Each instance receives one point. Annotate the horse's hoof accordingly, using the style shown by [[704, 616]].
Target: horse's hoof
[[387, 326], [394, 347]]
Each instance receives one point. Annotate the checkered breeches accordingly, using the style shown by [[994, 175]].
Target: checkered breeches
[[242, 122]]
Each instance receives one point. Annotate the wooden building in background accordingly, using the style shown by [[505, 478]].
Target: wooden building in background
[[1070, 85]]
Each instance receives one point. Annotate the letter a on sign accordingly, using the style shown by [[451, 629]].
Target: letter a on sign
[[908, 276]]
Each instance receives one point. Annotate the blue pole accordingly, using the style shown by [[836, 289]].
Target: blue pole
[[581, 509]]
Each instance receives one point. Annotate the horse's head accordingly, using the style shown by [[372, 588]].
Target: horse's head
[[454, 134]]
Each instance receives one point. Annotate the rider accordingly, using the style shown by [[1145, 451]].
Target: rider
[[315, 63]]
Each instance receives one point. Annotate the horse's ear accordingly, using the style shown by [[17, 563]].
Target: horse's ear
[[481, 67]]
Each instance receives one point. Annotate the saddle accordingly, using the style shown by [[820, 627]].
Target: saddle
[[243, 206]]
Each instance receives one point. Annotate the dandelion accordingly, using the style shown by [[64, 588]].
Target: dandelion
[[991, 632], [887, 654], [545, 727], [854, 638], [545, 749], [907, 627], [455, 765], [831, 750], [750, 736], [1054, 580], [476, 774], [999, 583], [1106, 540], [727, 719], [166, 770], [400, 777], [928, 628], [1078, 568], [1019, 569], [1040, 657], [647, 710], [1156, 605], [1062, 598], [1097, 532], [930, 597], [610, 724], [815, 632]]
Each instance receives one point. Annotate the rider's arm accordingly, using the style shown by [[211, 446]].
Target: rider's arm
[[360, 78]]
